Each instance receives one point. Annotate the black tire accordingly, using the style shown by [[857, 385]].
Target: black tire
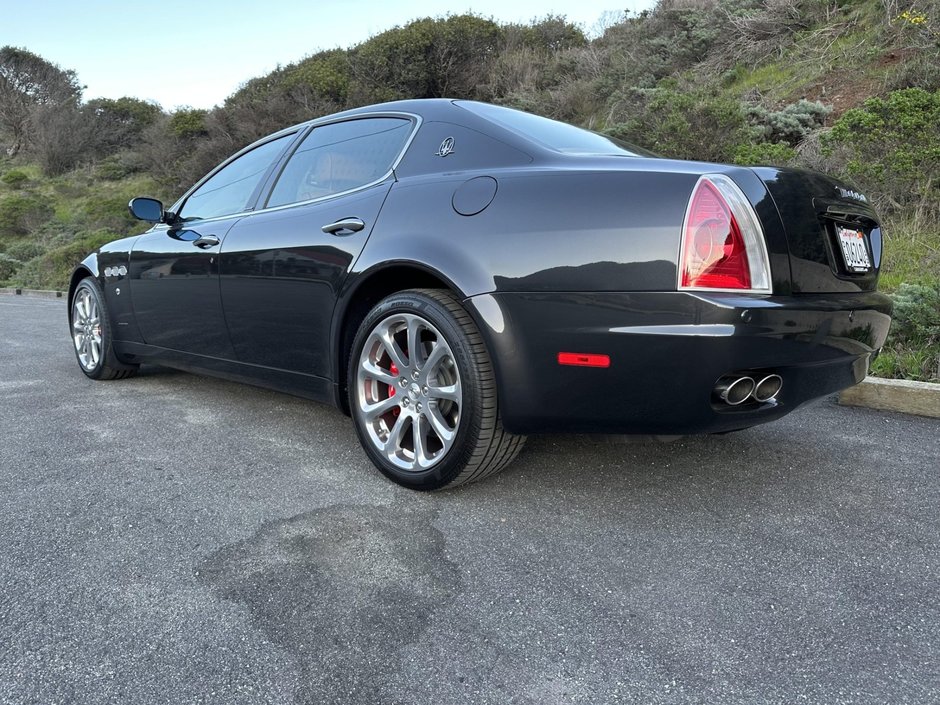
[[90, 328], [478, 445]]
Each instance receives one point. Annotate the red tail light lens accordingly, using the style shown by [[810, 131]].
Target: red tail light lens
[[714, 254], [723, 245]]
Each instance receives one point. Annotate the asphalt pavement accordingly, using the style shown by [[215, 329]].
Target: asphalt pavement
[[179, 539]]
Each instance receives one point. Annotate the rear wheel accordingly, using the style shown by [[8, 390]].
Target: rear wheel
[[423, 395], [91, 334]]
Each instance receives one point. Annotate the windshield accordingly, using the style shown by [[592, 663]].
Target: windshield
[[559, 136]]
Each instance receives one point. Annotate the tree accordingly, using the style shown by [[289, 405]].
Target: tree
[[28, 81], [394, 64], [427, 58], [64, 136], [121, 121], [463, 49]]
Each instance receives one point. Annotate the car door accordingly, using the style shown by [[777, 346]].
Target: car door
[[282, 266], [174, 270]]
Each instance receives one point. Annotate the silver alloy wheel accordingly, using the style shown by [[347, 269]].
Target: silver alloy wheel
[[86, 329], [408, 392]]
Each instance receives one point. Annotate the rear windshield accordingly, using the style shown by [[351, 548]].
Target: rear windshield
[[555, 135]]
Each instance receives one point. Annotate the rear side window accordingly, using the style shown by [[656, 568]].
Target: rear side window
[[340, 157], [229, 189], [559, 136]]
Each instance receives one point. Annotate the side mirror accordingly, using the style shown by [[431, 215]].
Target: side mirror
[[149, 209]]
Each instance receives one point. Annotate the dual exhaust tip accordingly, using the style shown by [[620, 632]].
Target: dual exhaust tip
[[737, 390]]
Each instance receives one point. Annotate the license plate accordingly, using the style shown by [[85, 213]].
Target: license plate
[[854, 249]]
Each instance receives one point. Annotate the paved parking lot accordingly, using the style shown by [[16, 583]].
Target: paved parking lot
[[175, 539]]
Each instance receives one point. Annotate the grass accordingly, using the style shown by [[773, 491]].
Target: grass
[[776, 80], [911, 253], [911, 256], [899, 362], [84, 211], [841, 57]]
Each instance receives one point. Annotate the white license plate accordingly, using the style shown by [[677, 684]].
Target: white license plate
[[854, 249]]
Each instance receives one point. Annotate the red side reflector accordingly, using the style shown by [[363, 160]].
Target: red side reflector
[[583, 359]]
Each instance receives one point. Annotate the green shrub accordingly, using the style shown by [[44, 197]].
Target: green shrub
[[764, 154], [8, 266], [394, 64], [792, 124], [15, 178], [552, 33], [892, 146], [109, 213], [188, 123], [52, 269], [25, 250], [21, 213], [662, 42], [327, 75], [913, 347], [427, 58], [917, 314], [119, 166], [685, 125]]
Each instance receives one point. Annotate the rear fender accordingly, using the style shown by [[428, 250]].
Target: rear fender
[[361, 291]]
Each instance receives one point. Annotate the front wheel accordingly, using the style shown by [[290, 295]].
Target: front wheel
[[91, 334], [422, 393]]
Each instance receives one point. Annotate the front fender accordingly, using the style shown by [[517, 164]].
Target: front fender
[[88, 267], [105, 265]]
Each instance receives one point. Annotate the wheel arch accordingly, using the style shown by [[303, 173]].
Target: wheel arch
[[88, 268], [358, 298]]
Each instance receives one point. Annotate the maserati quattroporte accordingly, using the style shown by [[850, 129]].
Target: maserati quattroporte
[[455, 275]]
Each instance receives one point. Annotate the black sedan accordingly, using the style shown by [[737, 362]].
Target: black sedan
[[455, 275]]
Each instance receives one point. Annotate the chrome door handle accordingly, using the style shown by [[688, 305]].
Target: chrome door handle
[[206, 241], [353, 225]]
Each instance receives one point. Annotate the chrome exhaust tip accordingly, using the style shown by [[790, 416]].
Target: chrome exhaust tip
[[734, 391], [768, 388]]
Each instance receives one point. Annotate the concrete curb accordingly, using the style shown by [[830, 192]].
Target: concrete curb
[[41, 293], [901, 395]]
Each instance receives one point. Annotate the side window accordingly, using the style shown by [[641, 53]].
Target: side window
[[340, 157], [229, 189]]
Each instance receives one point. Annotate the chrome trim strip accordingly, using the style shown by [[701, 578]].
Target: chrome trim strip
[[714, 330]]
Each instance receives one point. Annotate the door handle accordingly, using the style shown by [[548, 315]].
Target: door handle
[[353, 225], [206, 241]]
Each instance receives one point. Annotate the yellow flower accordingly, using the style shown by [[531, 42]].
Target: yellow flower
[[912, 17]]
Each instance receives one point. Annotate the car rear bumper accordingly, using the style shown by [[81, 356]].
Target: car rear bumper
[[667, 352]]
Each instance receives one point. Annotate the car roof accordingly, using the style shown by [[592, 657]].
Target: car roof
[[452, 110], [428, 110]]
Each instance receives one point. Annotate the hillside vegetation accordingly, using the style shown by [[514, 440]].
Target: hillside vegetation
[[850, 87]]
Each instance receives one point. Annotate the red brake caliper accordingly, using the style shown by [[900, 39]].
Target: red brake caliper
[[391, 388]]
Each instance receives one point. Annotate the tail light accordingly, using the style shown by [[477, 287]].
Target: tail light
[[722, 241]]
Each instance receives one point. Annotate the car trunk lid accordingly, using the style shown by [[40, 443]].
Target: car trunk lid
[[833, 234]]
